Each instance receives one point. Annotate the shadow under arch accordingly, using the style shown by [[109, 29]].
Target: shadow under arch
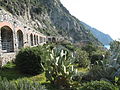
[[7, 39], [20, 39], [31, 39], [35, 40]]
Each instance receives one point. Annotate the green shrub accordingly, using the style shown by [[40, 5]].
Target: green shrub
[[23, 84], [95, 52], [98, 85], [100, 72], [9, 65], [97, 56], [78, 77], [82, 58], [28, 60], [89, 48], [68, 45], [117, 80]]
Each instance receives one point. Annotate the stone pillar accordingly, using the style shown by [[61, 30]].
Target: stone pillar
[[38, 40], [33, 40], [0, 43], [24, 38], [29, 40], [15, 37], [0, 50], [15, 41]]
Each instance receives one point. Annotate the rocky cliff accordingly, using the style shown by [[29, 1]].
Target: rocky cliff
[[102, 37], [49, 17], [105, 39]]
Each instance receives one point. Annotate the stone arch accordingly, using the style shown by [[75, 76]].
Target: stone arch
[[7, 39], [31, 39], [2, 24], [20, 39], [53, 39]]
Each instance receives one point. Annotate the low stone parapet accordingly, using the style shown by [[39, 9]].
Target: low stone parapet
[[6, 57]]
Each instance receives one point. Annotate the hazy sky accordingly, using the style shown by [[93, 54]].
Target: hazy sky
[[103, 15]]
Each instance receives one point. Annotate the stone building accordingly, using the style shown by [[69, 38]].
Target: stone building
[[54, 38], [15, 35]]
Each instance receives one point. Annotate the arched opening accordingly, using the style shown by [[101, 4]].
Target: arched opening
[[31, 39], [34, 39], [53, 39], [49, 39], [37, 39], [20, 39], [7, 39]]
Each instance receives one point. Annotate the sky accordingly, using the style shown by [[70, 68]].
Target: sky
[[103, 15]]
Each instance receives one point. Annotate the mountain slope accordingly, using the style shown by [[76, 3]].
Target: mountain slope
[[105, 39], [49, 17]]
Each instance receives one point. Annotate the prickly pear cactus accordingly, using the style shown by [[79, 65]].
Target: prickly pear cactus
[[59, 69]]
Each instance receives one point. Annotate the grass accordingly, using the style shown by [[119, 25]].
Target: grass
[[9, 71], [39, 78], [80, 69], [83, 70]]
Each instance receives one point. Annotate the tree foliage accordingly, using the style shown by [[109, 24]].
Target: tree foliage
[[98, 85], [28, 60], [82, 58]]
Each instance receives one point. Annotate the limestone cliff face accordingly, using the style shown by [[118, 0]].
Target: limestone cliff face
[[49, 17], [32, 13], [105, 39]]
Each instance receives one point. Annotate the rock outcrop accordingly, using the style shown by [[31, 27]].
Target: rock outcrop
[[105, 39], [49, 17]]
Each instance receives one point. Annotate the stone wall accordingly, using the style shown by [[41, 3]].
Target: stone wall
[[19, 34], [6, 57], [15, 34], [54, 38]]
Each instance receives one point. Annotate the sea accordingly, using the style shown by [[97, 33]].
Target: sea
[[107, 46]]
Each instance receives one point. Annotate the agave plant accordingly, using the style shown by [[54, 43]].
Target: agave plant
[[115, 58], [109, 70], [58, 67]]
